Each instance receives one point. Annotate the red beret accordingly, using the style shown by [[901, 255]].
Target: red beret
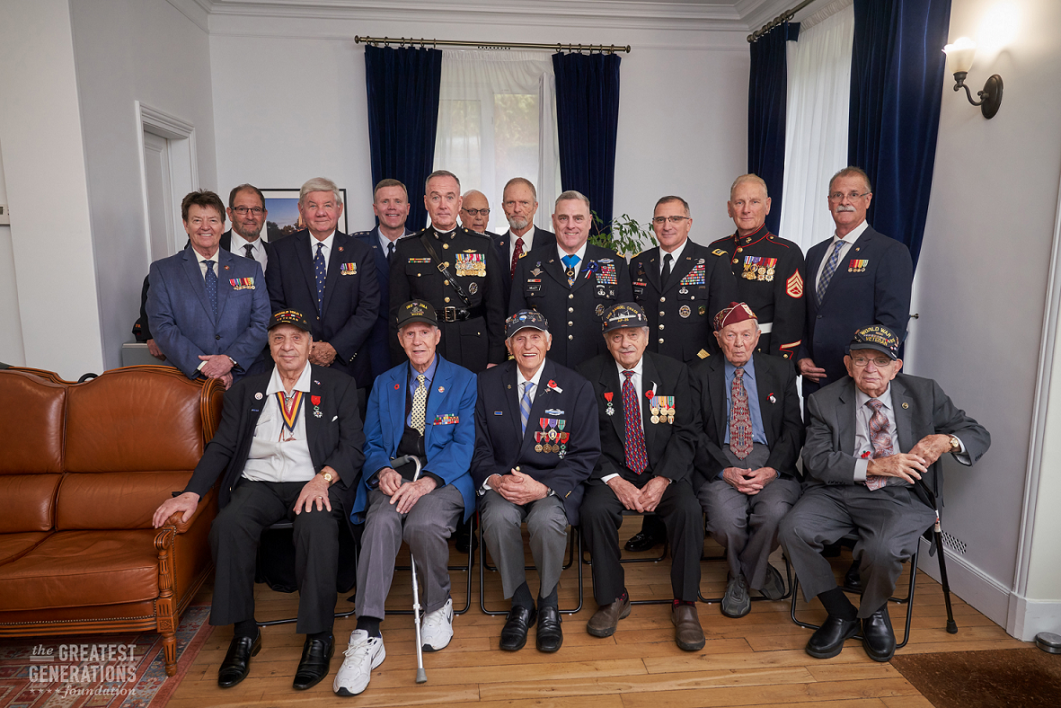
[[734, 313]]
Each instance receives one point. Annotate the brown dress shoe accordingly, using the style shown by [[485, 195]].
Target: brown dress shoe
[[687, 630], [606, 618]]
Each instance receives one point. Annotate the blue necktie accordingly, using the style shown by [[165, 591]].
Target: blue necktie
[[321, 271], [827, 274], [569, 263], [211, 287], [525, 405]]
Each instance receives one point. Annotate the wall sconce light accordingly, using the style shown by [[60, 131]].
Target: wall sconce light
[[962, 51]]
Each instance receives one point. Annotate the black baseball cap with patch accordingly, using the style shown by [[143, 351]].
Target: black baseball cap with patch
[[416, 311], [623, 316], [289, 317], [525, 318], [876, 337]]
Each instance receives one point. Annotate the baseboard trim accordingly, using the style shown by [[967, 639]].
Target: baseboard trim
[[972, 585]]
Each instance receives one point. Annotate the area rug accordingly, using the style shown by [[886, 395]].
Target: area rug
[[99, 670], [1013, 678]]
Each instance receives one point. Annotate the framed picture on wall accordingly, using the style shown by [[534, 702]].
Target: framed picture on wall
[[284, 219]]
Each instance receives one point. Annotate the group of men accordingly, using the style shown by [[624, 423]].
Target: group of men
[[389, 390]]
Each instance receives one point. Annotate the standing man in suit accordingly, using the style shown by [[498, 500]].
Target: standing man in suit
[[207, 308], [873, 436], [288, 449], [520, 202], [858, 277], [648, 428], [745, 474], [536, 443], [768, 271], [247, 212], [331, 276], [423, 408], [457, 272], [571, 283], [390, 203], [475, 211]]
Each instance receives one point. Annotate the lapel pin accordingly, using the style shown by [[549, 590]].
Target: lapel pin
[[340, 249], [397, 386], [772, 399], [905, 406], [441, 389], [226, 267], [258, 396]]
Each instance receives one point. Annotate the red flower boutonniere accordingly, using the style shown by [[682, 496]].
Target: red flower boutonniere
[[554, 387], [771, 398]]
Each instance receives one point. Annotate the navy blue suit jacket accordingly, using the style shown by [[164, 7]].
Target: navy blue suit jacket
[[500, 446], [378, 348], [449, 433], [182, 321], [351, 295], [879, 293], [503, 241]]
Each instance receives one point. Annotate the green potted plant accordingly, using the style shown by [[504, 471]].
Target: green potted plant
[[623, 234]]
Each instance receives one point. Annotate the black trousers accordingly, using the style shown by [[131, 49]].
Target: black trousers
[[601, 514], [234, 539]]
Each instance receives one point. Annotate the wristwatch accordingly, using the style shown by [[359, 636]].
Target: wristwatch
[[328, 477], [955, 444]]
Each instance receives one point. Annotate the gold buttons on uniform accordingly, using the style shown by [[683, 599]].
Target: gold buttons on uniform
[[445, 282], [570, 309], [661, 340], [735, 260], [662, 313], [445, 245], [570, 323], [661, 325], [571, 296], [739, 250], [570, 336], [663, 299], [446, 299]]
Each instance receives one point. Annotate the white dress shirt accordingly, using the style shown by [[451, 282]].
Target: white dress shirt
[[675, 255], [636, 381], [384, 242], [278, 455], [326, 251], [581, 253], [257, 248], [528, 242], [202, 263], [848, 241]]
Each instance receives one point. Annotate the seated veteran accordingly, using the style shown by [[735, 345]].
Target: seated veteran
[[752, 432], [874, 441], [648, 421], [535, 444], [423, 407], [288, 449]]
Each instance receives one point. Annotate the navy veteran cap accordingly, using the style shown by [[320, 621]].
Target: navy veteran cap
[[289, 317], [622, 316], [876, 337], [416, 311], [525, 318]]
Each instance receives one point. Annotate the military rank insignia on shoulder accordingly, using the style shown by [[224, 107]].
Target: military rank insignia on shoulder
[[719, 252]]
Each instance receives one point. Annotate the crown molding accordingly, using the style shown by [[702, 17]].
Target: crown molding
[[198, 11]]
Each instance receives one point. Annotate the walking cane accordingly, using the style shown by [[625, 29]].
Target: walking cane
[[952, 627], [421, 675]]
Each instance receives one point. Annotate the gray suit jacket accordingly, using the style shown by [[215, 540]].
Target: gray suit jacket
[[921, 408]]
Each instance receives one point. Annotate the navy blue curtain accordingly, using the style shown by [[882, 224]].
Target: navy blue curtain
[[767, 97], [897, 77], [403, 89], [587, 117]]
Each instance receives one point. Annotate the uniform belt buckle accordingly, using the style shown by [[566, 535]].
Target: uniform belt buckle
[[449, 314]]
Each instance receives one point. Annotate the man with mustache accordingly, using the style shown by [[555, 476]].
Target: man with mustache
[[520, 202]]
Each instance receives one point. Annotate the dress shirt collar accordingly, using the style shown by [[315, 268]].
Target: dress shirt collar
[[533, 379], [638, 368], [215, 259], [853, 235], [528, 240], [384, 241], [276, 383], [581, 253], [861, 399], [327, 245], [429, 374], [675, 255], [749, 370], [238, 242]]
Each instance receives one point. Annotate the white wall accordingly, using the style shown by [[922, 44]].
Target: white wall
[[290, 104], [11, 349], [129, 50], [981, 291]]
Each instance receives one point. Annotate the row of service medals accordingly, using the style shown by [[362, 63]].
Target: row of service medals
[[551, 438], [662, 409], [471, 265]]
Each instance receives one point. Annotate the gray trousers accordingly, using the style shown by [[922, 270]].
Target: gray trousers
[[426, 528], [547, 526], [888, 521], [746, 525]]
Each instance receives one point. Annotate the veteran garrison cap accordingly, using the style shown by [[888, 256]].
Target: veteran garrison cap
[[416, 311], [623, 316], [525, 318], [289, 317], [876, 337], [732, 314]]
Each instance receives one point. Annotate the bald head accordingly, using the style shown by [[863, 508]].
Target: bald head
[[475, 211]]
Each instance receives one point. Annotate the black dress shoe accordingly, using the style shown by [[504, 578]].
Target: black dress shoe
[[237, 661], [853, 579], [828, 641], [514, 635], [549, 636], [877, 635], [315, 663], [641, 542]]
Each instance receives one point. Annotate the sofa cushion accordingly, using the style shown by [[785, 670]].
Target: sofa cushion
[[29, 501], [14, 545], [114, 500], [35, 420], [83, 569]]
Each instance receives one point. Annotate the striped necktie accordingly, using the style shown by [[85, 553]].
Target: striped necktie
[[525, 404], [636, 455], [827, 274]]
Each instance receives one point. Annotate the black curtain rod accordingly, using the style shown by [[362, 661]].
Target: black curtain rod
[[780, 19], [608, 48]]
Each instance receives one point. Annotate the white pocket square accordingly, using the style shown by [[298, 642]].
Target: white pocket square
[[335, 419]]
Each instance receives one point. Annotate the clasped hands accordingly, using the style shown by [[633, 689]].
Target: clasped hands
[[322, 354], [217, 366], [747, 481], [517, 487], [403, 494], [641, 500]]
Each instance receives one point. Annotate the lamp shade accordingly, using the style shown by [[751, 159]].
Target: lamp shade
[[961, 53]]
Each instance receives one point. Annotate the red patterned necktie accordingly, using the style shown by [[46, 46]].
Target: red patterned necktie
[[636, 456], [881, 438], [740, 418], [517, 253]]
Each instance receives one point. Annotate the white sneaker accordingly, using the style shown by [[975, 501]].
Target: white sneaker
[[437, 628], [364, 654]]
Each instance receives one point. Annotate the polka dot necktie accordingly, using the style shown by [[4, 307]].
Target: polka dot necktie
[[740, 419], [419, 404], [517, 253], [636, 455], [881, 437], [211, 286], [320, 269]]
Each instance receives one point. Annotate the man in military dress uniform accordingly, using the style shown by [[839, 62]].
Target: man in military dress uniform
[[457, 272], [571, 282], [769, 270]]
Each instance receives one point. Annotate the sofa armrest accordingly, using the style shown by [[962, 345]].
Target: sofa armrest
[[182, 526]]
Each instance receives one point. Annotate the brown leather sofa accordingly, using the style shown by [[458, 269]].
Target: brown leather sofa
[[82, 469]]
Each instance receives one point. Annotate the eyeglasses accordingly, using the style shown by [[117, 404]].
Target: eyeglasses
[[660, 220], [242, 210], [476, 212], [852, 196], [861, 362]]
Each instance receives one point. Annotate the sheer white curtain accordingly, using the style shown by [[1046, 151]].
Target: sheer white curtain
[[496, 121], [819, 89]]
